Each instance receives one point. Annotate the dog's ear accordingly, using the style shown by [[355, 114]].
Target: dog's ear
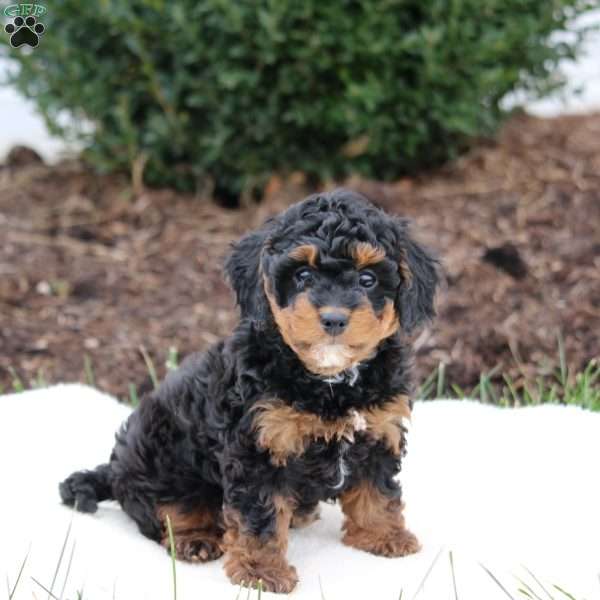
[[243, 270], [420, 278]]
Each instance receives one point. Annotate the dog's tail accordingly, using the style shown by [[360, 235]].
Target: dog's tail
[[84, 489]]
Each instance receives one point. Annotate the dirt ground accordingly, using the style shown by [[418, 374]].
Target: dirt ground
[[88, 268]]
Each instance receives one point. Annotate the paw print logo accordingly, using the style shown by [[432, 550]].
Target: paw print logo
[[25, 31]]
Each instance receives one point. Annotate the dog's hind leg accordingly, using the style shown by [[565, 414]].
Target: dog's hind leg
[[197, 531]]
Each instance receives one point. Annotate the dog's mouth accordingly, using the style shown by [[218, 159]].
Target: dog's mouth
[[304, 328]]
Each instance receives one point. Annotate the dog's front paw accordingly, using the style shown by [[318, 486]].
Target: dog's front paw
[[278, 578], [395, 542]]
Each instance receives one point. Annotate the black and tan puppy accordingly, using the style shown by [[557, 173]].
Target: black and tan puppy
[[304, 402]]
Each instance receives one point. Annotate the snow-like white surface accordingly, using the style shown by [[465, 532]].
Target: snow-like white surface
[[501, 487], [582, 91], [22, 125]]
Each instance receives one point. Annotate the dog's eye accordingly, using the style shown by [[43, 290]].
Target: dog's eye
[[303, 275], [367, 279]]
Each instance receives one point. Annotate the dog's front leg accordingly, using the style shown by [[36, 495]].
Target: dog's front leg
[[374, 521], [256, 540]]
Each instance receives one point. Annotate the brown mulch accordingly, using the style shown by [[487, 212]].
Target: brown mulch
[[87, 268]]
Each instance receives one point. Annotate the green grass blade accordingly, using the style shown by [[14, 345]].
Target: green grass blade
[[149, 366], [483, 389], [134, 399], [540, 584], [565, 593], [321, 588], [17, 383], [39, 381], [441, 380], [172, 548], [66, 580], [458, 391], [564, 370], [428, 573], [453, 575], [172, 359], [89, 371], [239, 591], [50, 594], [22, 567], [493, 392], [60, 557], [426, 387], [497, 581], [511, 388], [528, 590]]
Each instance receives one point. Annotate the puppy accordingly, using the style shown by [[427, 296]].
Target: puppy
[[304, 402]]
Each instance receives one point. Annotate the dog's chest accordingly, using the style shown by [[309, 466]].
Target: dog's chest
[[324, 468], [314, 451]]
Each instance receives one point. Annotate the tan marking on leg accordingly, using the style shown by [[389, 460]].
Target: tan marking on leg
[[385, 422], [197, 534], [249, 559], [374, 523], [286, 432]]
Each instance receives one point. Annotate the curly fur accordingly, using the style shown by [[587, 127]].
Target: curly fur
[[251, 434]]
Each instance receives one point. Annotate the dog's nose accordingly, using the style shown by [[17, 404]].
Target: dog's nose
[[334, 322]]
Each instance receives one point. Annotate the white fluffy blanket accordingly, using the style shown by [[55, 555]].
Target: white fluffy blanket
[[507, 489]]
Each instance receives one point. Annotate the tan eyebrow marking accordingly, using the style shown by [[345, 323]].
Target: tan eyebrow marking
[[307, 252], [365, 254]]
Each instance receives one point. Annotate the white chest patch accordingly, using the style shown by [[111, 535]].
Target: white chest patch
[[332, 356], [358, 421]]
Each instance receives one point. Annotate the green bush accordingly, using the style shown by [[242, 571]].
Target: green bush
[[236, 89]]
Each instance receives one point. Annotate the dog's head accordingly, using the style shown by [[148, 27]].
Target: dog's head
[[337, 275]]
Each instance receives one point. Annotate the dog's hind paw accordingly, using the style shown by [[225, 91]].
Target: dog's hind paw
[[195, 549]]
